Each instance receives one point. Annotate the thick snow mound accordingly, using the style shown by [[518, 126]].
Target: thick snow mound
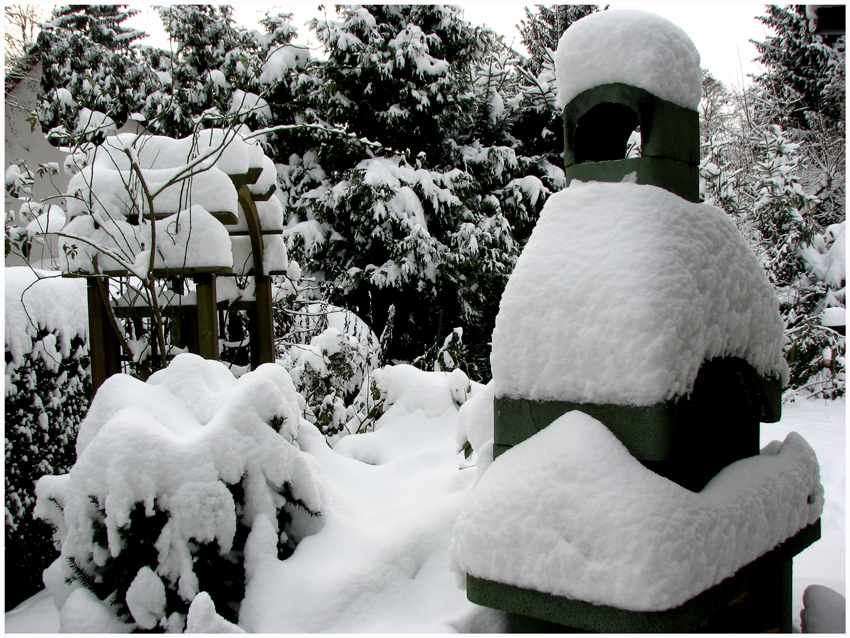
[[175, 444], [621, 294], [408, 389], [570, 512], [475, 418], [824, 611], [629, 46]]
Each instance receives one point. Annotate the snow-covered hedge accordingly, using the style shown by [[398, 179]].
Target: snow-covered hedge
[[180, 483], [47, 395]]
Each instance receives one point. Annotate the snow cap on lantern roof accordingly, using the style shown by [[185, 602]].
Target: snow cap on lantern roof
[[622, 292], [632, 47]]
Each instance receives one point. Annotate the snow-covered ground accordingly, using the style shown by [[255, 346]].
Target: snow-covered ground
[[381, 561], [822, 424]]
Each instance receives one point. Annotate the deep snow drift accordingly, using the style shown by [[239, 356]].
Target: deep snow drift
[[380, 563]]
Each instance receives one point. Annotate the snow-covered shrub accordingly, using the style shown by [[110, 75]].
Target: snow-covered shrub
[[407, 389], [47, 389], [331, 365], [445, 357], [173, 478], [474, 429], [817, 351]]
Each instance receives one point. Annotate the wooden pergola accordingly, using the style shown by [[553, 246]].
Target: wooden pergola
[[195, 326]]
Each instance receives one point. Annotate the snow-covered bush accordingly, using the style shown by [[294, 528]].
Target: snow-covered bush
[[447, 357], [47, 390], [180, 483], [407, 389], [474, 429], [330, 363]]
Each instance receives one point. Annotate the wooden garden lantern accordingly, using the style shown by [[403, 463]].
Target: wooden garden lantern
[[718, 375]]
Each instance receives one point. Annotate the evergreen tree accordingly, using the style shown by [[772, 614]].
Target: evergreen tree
[[90, 66], [773, 157], [542, 29], [211, 60], [400, 73], [804, 78], [424, 206]]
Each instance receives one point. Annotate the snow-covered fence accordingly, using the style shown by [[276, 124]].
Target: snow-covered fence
[[637, 348], [155, 223]]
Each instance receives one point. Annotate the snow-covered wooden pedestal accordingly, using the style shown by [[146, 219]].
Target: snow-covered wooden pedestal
[[637, 348], [757, 599], [720, 418], [669, 139]]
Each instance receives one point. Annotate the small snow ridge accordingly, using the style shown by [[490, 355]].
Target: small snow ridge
[[824, 611]]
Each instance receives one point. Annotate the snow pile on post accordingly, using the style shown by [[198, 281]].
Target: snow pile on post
[[608, 531], [629, 46], [179, 469], [621, 294]]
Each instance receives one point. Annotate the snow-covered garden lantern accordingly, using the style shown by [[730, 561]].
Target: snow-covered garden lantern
[[630, 111], [161, 228], [637, 348]]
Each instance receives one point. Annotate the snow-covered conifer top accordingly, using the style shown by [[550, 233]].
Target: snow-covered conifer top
[[621, 294], [629, 46]]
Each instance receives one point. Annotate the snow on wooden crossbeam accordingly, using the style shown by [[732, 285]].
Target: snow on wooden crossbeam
[[191, 191], [177, 271], [188, 240]]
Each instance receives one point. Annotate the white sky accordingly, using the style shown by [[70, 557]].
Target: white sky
[[720, 31]]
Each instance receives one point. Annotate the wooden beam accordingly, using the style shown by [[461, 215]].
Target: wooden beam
[[265, 320]]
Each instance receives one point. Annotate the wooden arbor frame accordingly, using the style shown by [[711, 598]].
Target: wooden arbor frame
[[199, 326]]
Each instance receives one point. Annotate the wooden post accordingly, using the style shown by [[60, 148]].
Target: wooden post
[[207, 316], [260, 321], [265, 320], [104, 347]]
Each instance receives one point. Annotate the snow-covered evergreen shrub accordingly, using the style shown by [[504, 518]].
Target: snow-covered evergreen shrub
[[173, 478], [448, 356], [47, 395], [330, 363], [91, 77]]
